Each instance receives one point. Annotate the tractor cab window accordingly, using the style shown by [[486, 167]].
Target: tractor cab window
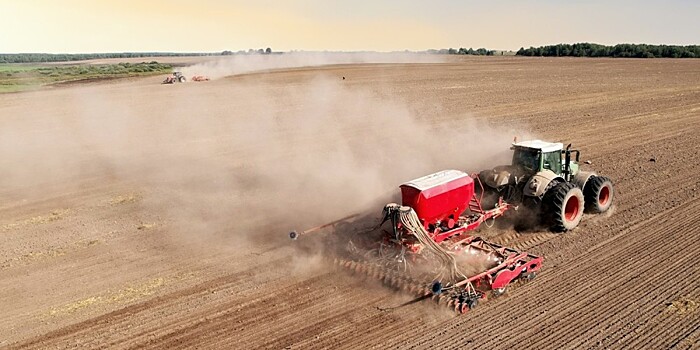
[[552, 161], [527, 158]]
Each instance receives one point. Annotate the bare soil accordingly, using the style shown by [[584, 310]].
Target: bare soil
[[142, 215]]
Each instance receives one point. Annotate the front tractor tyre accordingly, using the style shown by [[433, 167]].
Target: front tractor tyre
[[563, 207], [599, 194]]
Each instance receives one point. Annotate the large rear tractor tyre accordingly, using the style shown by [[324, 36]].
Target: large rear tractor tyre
[[599, 194], [182, 79], [562, 207]]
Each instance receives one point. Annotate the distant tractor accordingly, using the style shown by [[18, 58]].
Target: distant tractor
[[544, 178], [176, 77]]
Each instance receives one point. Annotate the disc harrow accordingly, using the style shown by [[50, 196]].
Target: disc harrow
[[460, 302]]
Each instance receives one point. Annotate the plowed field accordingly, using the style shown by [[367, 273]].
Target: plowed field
[[140, 215]]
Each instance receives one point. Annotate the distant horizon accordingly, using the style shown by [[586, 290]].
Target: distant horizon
[[235, 51]]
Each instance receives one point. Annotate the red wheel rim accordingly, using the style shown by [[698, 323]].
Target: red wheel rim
[[604, 195], [571, 209]]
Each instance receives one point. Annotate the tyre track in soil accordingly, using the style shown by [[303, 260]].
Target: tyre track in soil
[[368, 330], [94, 261], [287, 326], [659, 299], [588, 119], [264, 307], [691, 341], [178, 332], [591, 102], [668, 128], [663, 321], [583, 319], [202, 309], [120, 319], [594, 249], [353, 295], [641, 128], [342, 308], [277, 333], [681, 338], [121, 322]]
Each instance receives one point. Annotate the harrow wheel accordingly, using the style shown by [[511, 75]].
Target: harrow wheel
[[473, 303], [530, 276], [463, 308]]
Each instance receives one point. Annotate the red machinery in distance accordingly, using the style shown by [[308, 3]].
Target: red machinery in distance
[[430, 227], [200, 78]]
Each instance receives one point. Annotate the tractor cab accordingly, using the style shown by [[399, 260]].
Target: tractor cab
[[536, 155]]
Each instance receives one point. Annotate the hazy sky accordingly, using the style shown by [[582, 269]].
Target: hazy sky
[[215, 25]]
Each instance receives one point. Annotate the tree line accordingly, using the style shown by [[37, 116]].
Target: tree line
[[619, 50], [66, 57], [62, 57], [464, 51], [267, 51]]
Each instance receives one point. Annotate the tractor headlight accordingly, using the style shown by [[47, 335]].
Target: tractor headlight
[[534, 184]]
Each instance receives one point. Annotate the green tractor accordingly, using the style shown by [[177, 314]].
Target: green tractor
[[543, 177]]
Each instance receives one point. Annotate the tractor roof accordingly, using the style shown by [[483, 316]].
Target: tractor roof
[[540, 145]]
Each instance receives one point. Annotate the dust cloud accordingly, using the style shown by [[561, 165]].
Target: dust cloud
[[241, 162], [242, 64]]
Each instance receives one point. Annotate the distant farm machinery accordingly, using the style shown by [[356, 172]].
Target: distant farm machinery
[[200, 78], [178, 77]]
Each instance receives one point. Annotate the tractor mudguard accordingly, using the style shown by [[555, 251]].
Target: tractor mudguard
[[582, 177], [499, 176], [537, 185]]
